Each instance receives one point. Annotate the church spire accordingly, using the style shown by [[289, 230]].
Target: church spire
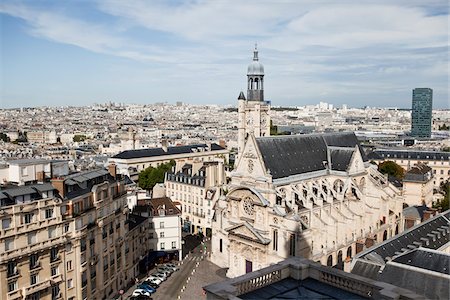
[[255, 53]]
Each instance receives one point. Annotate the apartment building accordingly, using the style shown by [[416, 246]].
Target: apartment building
[[96, 211], [32, 244], [164, 233], [65, 240], [196, 187]]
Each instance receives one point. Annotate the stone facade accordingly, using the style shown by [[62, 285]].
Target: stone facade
[[313, 196]]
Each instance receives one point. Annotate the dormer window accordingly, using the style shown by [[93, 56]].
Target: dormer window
[[161, 212]]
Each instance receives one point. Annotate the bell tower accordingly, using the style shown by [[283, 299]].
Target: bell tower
[[254, 111]]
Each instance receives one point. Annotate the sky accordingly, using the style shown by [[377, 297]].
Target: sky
[[354, 52]]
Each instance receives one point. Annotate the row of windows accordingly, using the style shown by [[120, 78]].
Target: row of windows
[[31, 238], [162, 245], [187, 209], [27, 218], [183, 188]]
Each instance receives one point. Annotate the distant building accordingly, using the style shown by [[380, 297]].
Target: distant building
[[42, 137], [133, 161], [422, 107], [439, 162]]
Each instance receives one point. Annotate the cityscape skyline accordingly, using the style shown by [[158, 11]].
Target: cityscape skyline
[[366, 54]]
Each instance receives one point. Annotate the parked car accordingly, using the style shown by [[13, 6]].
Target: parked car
[[172, 266], [159, 275], [165, 269], [140, 297], [146, 287], [141, 292], [154, 280], [153, 285]]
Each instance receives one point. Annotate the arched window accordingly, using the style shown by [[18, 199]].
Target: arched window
[[396, 229], [349, 252], [256, 83], [330, 261], [340, 264], [250, 84], [385, 235]]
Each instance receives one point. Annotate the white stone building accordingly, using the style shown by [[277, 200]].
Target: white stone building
[[314, 196], [165, 225], [196, 187]]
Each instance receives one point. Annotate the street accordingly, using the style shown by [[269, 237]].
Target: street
[[186, 283]]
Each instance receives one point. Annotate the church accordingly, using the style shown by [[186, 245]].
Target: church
[[314, 196]]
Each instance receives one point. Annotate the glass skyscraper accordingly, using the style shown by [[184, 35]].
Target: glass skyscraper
[[421, 114]]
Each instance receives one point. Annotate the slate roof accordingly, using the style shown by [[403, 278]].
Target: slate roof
[[407, 154], [422, 235], [20, 191], [340, 158], [419, 169], [290, 155], [152, 152], [425, 259]]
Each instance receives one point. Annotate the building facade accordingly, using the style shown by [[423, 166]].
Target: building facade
[[67, 239], [418, 186], [196, 187], [32, 244], [421, 114], [164, 231]]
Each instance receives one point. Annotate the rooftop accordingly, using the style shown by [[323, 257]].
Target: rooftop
[[290, 155], [299, 278], [153, 152]]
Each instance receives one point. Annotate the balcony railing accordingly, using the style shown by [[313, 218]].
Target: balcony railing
[[17, 294], [258, 281], [301, 269]]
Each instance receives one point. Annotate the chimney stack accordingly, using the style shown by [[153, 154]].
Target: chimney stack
[[112, 168], [58, 183]]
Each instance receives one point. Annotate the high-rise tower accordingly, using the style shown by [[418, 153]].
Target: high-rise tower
[[253, 111], [421, 114]]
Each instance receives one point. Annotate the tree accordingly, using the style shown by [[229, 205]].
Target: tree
[[149, 177], [4, 137], [444, 202], [79, 138], [391, 168]]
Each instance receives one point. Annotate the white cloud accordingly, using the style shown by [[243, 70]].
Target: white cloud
[[333, 48]]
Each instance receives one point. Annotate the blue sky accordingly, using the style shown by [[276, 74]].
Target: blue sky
[[343, 52]]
